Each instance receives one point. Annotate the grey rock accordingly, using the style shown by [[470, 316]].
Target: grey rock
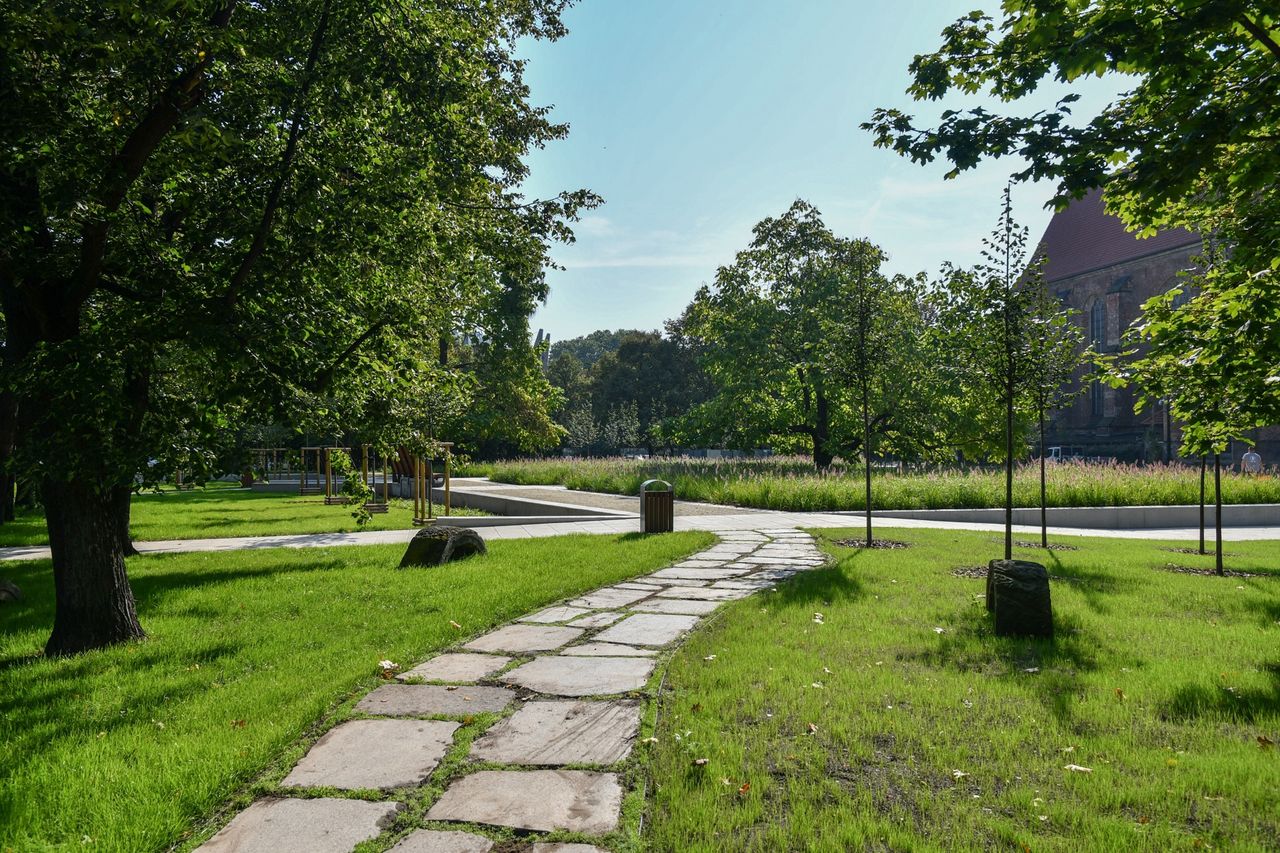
[[524, 638], [9, 591], [435, 841], [695, 593], [457, 667], [1022, 604], [434, 546], [323, 825], [542, 800], [562, 732], [373, 754], [428, 700], [564, 675]]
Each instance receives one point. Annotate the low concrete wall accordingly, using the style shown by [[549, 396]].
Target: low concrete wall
[[1104, 517], [507, 505]]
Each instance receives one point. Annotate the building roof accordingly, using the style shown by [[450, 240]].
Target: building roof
[[1084, 237]]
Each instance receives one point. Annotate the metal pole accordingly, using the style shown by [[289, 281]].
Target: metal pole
[[448, 478]]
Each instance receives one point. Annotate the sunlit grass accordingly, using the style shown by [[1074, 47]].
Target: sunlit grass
[[128, 748], [225, 512], [790, 483], [933, 734]]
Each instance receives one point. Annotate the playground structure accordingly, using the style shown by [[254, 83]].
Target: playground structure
[[423, 473], [398, 474]]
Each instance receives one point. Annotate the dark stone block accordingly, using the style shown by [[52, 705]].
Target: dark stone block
[[1018, 592], [9, 591], [434, 546]]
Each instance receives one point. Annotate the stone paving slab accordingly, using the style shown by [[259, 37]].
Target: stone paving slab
[[597, 620], [648, 629], [323, 825], [565, 847], [666, 582], [435, 841], [373, 754], [698, 574], [607, 650], [562, 732], [456, 666], [676, 605], [609, 597], [745, 583], [542, 800], [697, 564], [697, 593], [427, 700], [555, 614], [524, 638], [564, 675], [637, 585]]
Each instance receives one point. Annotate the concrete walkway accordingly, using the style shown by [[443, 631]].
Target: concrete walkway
[[746, 520], [570, 683]]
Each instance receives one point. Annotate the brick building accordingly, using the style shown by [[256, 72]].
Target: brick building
[[1105, 274]]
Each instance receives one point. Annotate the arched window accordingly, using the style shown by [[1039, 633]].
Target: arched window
[[1098, 321], [1096, 398]]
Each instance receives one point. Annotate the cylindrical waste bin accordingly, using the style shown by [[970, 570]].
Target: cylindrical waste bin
[[657, 507]]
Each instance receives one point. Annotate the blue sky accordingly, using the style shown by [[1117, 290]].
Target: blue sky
[[697, 118]]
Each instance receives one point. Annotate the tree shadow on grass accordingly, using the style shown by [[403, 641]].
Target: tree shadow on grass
[[826, 584], [1051, 669], [1224, 701], [1094, 585]]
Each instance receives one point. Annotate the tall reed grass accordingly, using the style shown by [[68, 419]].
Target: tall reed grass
[[790, 483]]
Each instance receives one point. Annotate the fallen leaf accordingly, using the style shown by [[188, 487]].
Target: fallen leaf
[[746, 786], [1119, 694], [724, 780], [710, 657], [959, 774], [1143, 819], [701, 762], [938, 630], [1265, 742], [238, 724], [1068, 749], [1032, 669], [650, 740], [1076, 768], [813, 728], [451, 687], [827, 671], [697, 706], [455, 624], [817, 684], [1171, 762]]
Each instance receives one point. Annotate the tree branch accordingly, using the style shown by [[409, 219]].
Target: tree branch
[[182, 93], [1262, 35], [259, 245], [325, 379]]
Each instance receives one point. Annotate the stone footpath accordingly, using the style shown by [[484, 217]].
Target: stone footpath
[[576, 675]]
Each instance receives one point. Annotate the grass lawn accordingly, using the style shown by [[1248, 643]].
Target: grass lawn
[[224, 512], [902, 723], [137, 747]]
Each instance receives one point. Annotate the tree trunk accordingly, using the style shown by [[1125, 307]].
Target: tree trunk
[[122, 497], [866, 454], [1008, 474], [822, 456], [1203, 463], [1044, 522], [1217, 512], [8, 443], [95, 606]]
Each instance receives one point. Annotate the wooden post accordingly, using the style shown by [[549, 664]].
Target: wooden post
[[328, 477]]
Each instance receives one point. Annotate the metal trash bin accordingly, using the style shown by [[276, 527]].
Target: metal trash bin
[[657, 507]]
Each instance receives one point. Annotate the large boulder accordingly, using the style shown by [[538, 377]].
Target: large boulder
[[9, 591], [1018, 594], [434, 546]]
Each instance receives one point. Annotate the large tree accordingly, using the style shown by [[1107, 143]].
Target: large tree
[[213, 207], [762, 327], [1194, 142]]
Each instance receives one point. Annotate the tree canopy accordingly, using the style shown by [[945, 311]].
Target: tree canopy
[[213, 210]]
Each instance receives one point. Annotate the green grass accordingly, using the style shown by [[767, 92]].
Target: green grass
[[1160, 683], [137, 747], [789, 483], [222, 512]]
